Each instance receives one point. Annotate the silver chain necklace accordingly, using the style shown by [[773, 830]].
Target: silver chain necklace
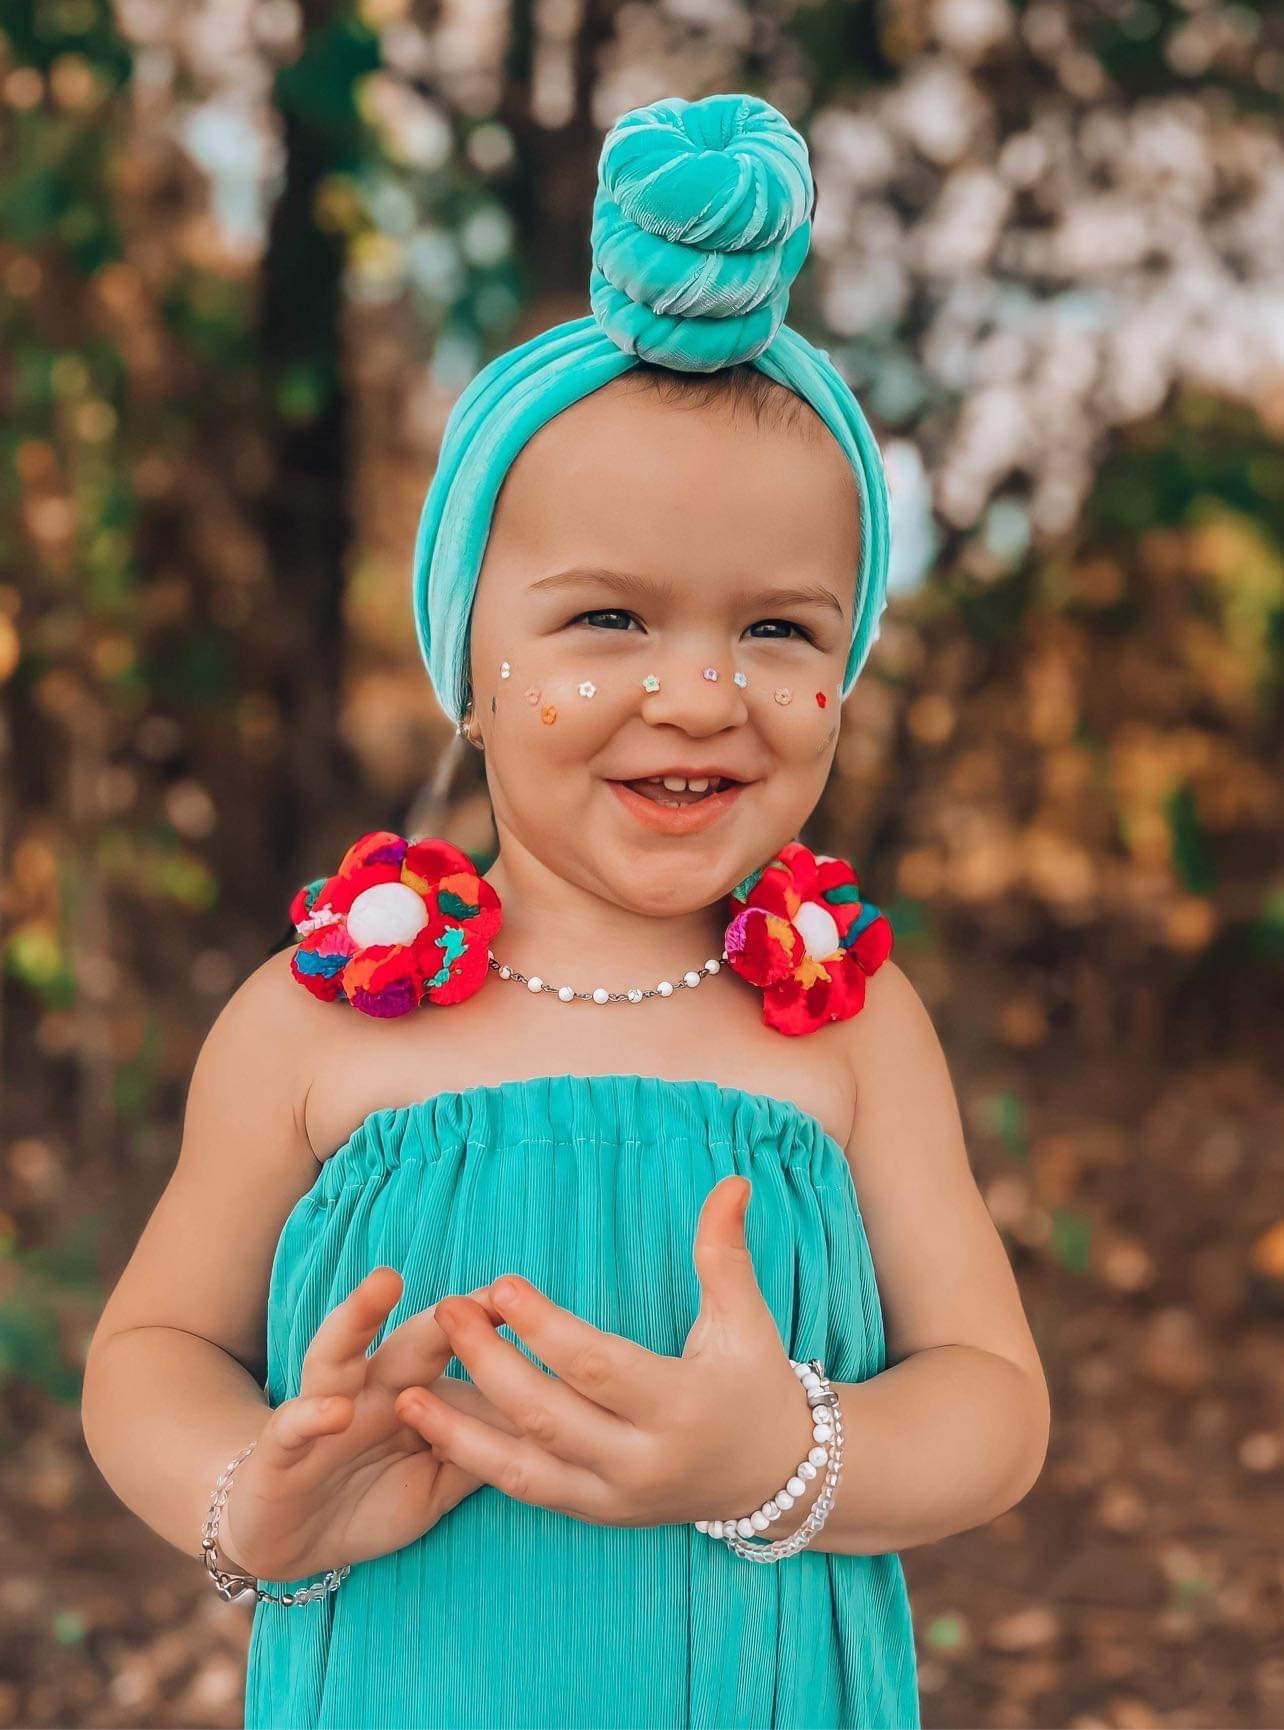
[[599, 993]]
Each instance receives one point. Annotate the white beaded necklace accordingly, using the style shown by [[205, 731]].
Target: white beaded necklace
[[599, 993]]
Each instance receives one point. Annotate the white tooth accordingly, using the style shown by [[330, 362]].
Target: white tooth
[[701, 786], [675, 783]]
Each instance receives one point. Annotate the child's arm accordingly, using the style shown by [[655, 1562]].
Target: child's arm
[[174, 1373], [955, 1430]]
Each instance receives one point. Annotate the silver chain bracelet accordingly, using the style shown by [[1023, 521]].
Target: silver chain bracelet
[[828, 1434], [231, 1586]]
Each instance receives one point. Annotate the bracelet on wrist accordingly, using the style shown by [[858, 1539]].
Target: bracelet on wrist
[[827, 1454], [230, 1584]]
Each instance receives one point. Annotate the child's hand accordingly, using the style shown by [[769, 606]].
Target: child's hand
[[620, 1435], [336, 1475]]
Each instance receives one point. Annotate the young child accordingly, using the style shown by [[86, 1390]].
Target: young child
[[498, 1345]]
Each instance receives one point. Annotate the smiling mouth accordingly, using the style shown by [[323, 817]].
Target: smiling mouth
[[653, 788]]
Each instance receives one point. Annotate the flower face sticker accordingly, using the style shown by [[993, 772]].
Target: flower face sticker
[[399, 924], [802, 934]]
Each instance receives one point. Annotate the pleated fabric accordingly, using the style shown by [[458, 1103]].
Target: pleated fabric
[[510, 1615]]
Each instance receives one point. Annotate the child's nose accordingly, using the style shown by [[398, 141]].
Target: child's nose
[[703, 696]]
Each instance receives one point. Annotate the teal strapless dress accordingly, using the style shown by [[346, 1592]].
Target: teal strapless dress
[[508, 1615]]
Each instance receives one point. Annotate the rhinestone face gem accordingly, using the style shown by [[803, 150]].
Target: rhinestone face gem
[[505, 670], [711, 673], [650, 683], [738, 678], [587, 688], [821, 699], [783, 694]]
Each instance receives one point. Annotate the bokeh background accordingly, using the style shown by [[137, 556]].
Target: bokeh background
[[249, 254]]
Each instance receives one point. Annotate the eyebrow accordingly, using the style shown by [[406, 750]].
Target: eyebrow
[[625, 582]]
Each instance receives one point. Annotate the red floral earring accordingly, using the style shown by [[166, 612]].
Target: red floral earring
[[802, 934], [399, 924]]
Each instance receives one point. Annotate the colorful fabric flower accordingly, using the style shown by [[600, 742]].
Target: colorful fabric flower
[[399, 924], [803, 935]]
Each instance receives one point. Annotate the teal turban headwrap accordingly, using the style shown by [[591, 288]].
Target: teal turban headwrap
[[701, 221]]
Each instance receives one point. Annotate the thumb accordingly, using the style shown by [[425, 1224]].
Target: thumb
[[729, 1292]]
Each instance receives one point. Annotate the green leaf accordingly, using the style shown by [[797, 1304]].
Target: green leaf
[[1071, 1239], [1192, 861]]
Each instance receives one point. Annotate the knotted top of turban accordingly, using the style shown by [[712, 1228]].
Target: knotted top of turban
[[701, 222]]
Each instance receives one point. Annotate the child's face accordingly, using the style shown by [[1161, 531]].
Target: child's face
[[719, 512]]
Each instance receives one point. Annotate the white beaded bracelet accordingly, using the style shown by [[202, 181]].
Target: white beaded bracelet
[[827, 1427]]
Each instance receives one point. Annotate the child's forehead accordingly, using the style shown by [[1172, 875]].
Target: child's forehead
[[624, 477], [627, 423]]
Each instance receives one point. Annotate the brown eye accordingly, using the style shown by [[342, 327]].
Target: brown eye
[[789, 626], [603, 613]]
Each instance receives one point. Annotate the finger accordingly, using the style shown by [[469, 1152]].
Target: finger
[[555, 1416], [729, 1283], [420, 1490], [297, 1423], [514, 1464], [467, 1398], [335, 1361], [417, 1349], [613, 1372], [451, 1486]]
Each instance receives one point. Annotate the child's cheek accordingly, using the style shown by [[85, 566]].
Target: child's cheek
[[803, 720], [558, 710]]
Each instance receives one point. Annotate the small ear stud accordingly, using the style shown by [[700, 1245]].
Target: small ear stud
[[783, 694], [711, 673], [738, 678], [587, 688], [650, 683]]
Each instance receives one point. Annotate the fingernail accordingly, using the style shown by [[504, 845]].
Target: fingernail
[[506, 1291]]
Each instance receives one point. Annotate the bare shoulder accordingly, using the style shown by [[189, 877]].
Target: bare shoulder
[[942, 1269], [269, 1030], [894, 1017], [893, 1036]]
